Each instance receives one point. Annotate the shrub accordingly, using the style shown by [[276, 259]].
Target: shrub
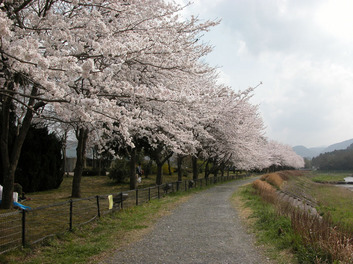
[[119, 170], [40, 164], [165, 169]]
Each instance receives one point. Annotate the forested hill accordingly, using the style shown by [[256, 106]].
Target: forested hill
[[335, 160]]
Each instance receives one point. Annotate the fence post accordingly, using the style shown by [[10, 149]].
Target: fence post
[[185, 186], [98, 208], [137, 196], [158, 192], [121, 199], [23, 227], [71, 205], [149, 193]]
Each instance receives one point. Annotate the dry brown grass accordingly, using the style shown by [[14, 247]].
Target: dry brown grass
[[277, 179], [319, 233], [274, 178], [265, 190], [263, 186]]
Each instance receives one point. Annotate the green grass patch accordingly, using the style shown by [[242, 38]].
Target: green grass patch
[[335, 201], [272, 231], [326, 176]]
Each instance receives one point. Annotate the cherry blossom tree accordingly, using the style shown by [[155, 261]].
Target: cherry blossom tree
[[92, 56], [232, 128], [118, 69], [281, 155]]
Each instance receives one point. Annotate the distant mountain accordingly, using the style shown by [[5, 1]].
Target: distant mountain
[[338, 146], [313, 152], [308, 152]]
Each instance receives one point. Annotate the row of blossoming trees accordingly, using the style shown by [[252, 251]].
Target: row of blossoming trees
[[127, 72]]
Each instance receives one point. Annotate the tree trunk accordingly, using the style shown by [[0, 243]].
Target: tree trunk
[[100, 166], [82, 136], [214, 168], [10, 158], [5, 155], [160, 159], [159, 179], [207, 170], [133, 176], [179, 164], [169, 168], [63, 149], [195, 169], [147, 170]]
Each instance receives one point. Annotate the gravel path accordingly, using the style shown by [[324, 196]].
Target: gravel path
[[206, 229]]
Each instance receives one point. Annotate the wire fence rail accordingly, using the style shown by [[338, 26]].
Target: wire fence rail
[[27, 227]]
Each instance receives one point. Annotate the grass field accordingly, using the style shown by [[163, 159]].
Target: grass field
[[332, 200], [93, 242], [329, 176], [90, 186]]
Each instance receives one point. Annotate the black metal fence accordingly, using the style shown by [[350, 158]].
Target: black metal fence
[[24, 227]]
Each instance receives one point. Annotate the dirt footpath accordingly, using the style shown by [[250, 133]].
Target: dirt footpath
[[206, 229]]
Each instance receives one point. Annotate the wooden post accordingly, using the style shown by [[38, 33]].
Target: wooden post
[[71, 205], [137, 197], [23, 227], [98, 208]]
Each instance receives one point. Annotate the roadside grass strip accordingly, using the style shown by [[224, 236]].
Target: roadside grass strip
[[285, 228]]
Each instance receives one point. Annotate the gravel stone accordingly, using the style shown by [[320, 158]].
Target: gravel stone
[[205, 229]]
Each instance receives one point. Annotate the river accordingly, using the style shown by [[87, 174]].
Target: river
[[348, 179]]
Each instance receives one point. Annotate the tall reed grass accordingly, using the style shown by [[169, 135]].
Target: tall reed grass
[[329, 243], [274, 179]]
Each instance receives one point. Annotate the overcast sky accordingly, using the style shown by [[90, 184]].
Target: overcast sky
[[302, 51]]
